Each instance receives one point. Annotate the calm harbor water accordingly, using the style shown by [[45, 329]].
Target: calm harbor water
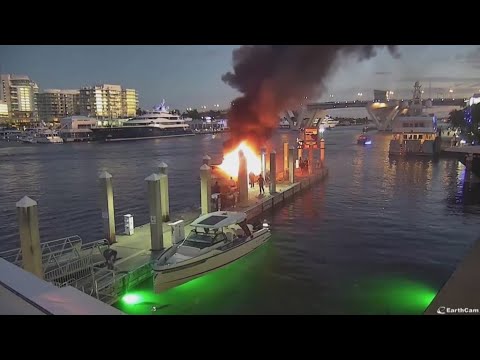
[[379, 236]]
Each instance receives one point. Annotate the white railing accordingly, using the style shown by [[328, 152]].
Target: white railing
[[78, 268], [52, 251]]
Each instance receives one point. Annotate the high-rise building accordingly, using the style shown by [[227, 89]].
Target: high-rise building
[[3, 110], [19, 93], [54, 104], [108, 101], [129, 102]]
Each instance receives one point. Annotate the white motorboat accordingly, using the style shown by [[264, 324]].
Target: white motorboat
[[48, 136], [328, 122], [217, 239]]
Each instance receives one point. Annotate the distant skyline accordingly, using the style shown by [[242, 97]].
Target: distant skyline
[[190, 75]]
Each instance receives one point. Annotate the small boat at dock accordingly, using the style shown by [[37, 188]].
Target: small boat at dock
[[217, 239]]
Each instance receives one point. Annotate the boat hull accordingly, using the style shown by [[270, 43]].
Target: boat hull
[[167, 278], [122, 133], [414, 148]]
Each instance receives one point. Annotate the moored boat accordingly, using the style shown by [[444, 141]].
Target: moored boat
[[217, 239]]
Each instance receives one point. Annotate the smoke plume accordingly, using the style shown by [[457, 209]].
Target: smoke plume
[[274, 78]]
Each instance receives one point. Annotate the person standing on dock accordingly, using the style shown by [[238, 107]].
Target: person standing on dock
[[233, 184], [216, 188], [251, 177], [110, 257], [260, 184]]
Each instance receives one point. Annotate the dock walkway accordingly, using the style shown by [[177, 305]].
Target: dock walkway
[[134, 256]]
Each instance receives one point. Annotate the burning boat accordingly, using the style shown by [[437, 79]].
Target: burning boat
[[217, 239]]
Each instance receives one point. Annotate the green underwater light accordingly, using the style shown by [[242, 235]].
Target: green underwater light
[[395, 296], [131, 299]]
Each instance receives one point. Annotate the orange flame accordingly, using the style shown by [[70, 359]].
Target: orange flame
[[231, 161]]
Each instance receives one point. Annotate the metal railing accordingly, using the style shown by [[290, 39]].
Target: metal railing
[[75, 269], [52, 251]]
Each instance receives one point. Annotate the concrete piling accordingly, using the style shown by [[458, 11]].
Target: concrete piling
[[273, 172], [311, 165], [291, 165], [107, 205], [155, 205], [322, 152], [206, 160], [163, 172], [263, 159], [242, 179], [285, 160], [205, 188], [27, 214]]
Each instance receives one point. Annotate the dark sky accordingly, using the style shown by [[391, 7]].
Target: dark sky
[[190, 75]]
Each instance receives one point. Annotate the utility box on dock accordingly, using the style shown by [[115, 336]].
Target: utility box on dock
[[178, 231], [129, 227]]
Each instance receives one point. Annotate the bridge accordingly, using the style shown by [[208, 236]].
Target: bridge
[[382, 112], [360, 103]]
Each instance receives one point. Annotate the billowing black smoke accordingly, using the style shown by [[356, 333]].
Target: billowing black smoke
[[273, 78]]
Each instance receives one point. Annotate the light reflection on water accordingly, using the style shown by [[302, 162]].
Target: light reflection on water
[[375, 221]]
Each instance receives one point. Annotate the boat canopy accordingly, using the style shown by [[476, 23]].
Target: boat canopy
[[219, 219]]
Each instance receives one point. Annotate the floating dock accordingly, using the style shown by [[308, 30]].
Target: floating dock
[[134, 252], [68, 262]]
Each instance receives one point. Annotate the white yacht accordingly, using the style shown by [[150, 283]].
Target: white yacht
[[157, 123], [48, 136], [328, 122], [284, 124], [217, 239], [42, 135], [413, 132]]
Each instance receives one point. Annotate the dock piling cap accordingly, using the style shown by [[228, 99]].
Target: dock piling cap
[[104, 175], [26, 202], [205, 167], [153, 177], [162, 165], [206, 157]]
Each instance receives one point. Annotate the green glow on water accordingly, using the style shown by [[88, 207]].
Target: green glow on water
[[258, 284], [394, 295], [131, 299], [208, 294]]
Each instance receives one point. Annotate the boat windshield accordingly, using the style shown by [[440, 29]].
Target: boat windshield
[[199, 240]]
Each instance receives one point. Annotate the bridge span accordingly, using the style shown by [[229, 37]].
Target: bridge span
[[381, 112]]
